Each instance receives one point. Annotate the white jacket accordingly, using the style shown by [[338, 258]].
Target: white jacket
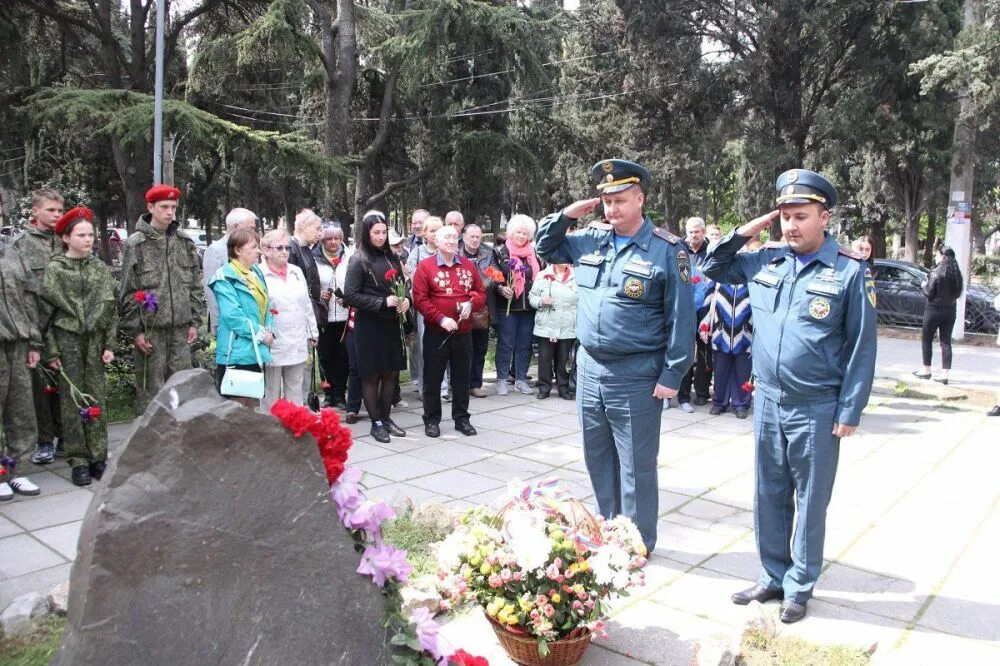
[[295, 323], [334, 280]]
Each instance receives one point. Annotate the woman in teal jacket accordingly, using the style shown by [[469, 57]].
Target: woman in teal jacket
[[245, 319]]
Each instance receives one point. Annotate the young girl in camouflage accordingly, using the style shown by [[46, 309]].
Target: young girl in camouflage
[[80, 320]]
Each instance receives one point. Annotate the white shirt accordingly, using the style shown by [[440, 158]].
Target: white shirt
[[333, 280], [295, 323]]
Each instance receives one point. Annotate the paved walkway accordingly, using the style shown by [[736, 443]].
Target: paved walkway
[[914, 527]]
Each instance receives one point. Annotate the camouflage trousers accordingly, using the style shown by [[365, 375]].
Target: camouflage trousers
[[47, 412], [81, 361], [17, 414], [171, 353]]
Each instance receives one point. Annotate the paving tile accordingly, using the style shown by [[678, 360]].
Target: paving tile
[[366, 450], [505, 467], [400, 467], [657, 635], [705, 593], [61, 538], [49, 481], [499, 440], [930, 648], [45, 511], [7, 528], [828, 623], [551, 453], [37, 581], [739, 560], [451, 454], [457, 483], [394, 493], [688, 545], [21, 554]]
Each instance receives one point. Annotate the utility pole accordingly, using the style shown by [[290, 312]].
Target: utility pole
[[958, 228], [158, 96], [168, 159]]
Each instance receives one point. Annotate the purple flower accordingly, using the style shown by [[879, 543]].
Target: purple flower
[[85, 414], [150, 304], [9, 463], [382, 562], [427, 633], [368, 516], [346, 493], [512, 262]]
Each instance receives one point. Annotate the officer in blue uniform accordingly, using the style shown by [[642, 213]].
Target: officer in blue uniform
[[814, 360], [635, 323]]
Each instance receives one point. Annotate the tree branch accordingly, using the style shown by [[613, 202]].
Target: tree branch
[[400, 184]]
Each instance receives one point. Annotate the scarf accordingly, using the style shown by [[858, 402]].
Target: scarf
[[522, 255], [253, 283]]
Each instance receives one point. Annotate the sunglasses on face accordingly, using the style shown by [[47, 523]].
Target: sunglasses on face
[[280, 248]]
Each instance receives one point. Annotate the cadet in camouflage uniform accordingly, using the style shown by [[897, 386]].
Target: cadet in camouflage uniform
[[19, 350], [80, 323], [163, 262], [37, 245]]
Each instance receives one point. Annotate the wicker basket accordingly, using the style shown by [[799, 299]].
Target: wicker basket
[[523, 648]]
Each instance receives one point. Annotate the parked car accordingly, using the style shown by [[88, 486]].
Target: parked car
[[901, 299], [200, 238]]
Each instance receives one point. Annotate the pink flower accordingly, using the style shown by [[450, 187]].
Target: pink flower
[[495, 581], [345, 492], [426, 629], [382, 562], [368, 516], [550, 610], [541, 600]]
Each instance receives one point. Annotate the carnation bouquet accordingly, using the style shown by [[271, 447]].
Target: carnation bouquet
[[543, 565]]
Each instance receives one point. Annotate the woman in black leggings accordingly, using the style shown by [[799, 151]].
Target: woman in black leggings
[[943, 287]]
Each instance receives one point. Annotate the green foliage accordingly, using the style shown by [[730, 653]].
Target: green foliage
[[36, 649], [762, 649], [415, 535]]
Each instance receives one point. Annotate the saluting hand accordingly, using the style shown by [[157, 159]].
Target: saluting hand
[[757, 225], [578, 209]]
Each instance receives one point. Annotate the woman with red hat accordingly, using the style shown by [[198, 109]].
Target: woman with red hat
[[79, 317]]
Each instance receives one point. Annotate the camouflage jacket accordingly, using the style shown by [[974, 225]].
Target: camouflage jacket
[[78, 295], [166, 265], [37, 246], [17, 313]]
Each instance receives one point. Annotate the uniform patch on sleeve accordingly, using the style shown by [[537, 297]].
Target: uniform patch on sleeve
[[870, 287], [684, 266]]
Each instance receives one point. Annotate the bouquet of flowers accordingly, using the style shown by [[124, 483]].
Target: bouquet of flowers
[[543, 565], [147, 301], [516, 266], [397, 284]]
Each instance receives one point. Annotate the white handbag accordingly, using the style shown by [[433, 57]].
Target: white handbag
[[244, 383]]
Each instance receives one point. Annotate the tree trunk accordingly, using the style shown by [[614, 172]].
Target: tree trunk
[[932, 217], [911, 235], [134, 182]]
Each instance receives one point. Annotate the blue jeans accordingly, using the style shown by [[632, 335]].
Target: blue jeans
[[514, 333]]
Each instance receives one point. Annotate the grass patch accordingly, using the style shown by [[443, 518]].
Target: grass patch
[[761, 649], [36, 649], [415, 532]]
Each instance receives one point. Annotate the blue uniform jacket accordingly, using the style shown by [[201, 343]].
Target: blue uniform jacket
[[240, 327], [814, 333], [630, 302]]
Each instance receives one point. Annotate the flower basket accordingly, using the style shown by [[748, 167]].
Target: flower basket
[[522, 648]]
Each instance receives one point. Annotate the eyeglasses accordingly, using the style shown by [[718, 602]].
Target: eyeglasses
[[280, 248]]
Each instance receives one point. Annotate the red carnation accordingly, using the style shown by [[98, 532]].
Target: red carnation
[[95, 412], [140, 296], [3, 471], [336, 261], [748, 387], [463, 658], [391, 274], [696, 279], [50, 390], [273, 312], [325, 385], [704, 328], [550, 276]]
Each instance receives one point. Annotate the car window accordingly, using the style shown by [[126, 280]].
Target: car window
[[892, 274]]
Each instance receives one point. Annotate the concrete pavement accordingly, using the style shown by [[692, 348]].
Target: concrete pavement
[[914, 526]]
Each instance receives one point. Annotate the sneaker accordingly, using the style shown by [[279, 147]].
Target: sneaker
[[523, 386], [666, 404], [22, 486], [445, 397], [45, 453], [402, 404], [478, 393], [502, 388], [6, 492], [686, 408]]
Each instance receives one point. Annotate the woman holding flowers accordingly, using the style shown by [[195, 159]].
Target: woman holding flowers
[[245, 318], [79, 316], [520, 266], [554, 297], [373, 286]]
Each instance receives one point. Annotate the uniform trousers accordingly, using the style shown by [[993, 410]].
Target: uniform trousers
[[47, 412], [333, 358], [283, 381], [80, 355], [796, 466], [171, 353], [700, 374], [17, 414], [442, 350], [553, 359], [620, 421], [731, 372]]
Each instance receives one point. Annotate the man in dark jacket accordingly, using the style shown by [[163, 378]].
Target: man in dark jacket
[[308, 230]]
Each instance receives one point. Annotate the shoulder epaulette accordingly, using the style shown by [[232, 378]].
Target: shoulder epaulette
[[600, 226], [666, 235], [773, 245], [848, 253]]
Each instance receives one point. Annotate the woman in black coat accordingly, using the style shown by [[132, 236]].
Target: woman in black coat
[[942, 288], [369, 289]]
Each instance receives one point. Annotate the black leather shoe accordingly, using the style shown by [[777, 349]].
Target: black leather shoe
[[393, 429], [994, 412], [380, 434], [716, 410], [698, 400], [432, 430], [921, 375], [97, 469], [352, 417], [741, 413], [756, 593], [943, 380], [567, 395], [792, 612], [81, 475], [465, 428], [543, 394]]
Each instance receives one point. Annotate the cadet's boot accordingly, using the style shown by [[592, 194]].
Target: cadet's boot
[[97, 469], [81, 475]]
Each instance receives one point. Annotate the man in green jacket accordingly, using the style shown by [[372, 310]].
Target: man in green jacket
[[20, 350], [37, 245], [160, 298]]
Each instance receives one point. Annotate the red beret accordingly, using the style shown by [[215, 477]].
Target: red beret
[[74, 214], [162, 193]]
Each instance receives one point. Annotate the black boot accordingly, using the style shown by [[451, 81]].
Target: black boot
[[380, 433], [81, 475], [97, 469]]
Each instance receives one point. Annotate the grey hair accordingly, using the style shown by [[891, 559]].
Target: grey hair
[[521, 220], [331, 230], [694, 222], [305, 218], [238, 216]]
